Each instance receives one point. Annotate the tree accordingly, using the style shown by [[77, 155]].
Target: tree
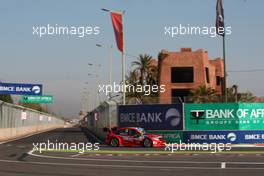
[[143, 65], [203, 95], [132, 77], [234, 96], [145, 74], [152, 75], [133, 97], [246, 97], [6, 98], [161, 57]]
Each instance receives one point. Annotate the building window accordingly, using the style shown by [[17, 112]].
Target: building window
[[207, 75], [218, 80], [182, 74]]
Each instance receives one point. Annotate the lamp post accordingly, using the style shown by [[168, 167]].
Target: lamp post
[[87, 96], [97, 79], [110, 47], [97, 84]]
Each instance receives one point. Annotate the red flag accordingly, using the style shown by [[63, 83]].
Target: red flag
[[118, 28]]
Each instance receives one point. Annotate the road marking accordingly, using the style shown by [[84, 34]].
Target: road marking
[[124, 166], [78, 154], [223, 165], [143, 161], [140, 152]]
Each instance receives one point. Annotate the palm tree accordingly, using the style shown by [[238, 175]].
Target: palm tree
[[152, 75], [246, 97], [133, 97], [203, 94], [132, 78], [161, 57], [143, 64], [235, 96]]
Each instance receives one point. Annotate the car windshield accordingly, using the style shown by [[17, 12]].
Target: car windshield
[[141, 130]]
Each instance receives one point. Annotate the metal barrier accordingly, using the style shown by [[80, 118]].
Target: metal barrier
[[17, 121]]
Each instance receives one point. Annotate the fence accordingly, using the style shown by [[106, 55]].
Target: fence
[[243, 98], [104, 115], [17, 121]]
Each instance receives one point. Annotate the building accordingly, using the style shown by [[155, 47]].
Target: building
[[186, 70]]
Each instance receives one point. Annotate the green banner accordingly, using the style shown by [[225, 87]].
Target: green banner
[[169, 136], [224, 116], [45, 99]]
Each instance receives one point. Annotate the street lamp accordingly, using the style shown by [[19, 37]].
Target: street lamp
[[110, 47], [97, 84], [96, 65], [106, 10]]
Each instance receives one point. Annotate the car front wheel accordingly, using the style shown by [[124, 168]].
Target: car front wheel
[[147, 142], [114, 142]]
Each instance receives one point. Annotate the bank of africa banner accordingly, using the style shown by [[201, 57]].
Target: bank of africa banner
[[151, 117], [224, 116]]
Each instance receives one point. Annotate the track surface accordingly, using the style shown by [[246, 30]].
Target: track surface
[[16, 159]]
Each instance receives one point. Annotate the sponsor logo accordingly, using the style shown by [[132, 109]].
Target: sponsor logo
[[36, 89], [174, 116], [232, 137], [197, 115]]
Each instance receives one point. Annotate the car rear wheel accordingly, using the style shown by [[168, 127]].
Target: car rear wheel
[[147, 142], [114, 142]]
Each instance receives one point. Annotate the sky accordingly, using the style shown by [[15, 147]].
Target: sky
[[61, 63]]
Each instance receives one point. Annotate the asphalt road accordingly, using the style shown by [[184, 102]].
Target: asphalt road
[[18, 159]]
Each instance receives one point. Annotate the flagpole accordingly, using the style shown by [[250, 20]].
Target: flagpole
[[123, 65], [123, 78], [123, 54], [225, 74], [220, 24]]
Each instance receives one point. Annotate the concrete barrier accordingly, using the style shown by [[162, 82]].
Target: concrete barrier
[[104, 115], [18, 121]]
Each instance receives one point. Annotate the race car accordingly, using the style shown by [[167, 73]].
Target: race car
[[133, 136]]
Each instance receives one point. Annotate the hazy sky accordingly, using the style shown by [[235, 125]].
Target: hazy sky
[[60, 63]]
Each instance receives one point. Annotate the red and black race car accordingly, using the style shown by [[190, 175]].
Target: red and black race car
[[133, 136]]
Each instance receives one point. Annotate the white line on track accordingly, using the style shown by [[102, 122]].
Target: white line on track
[[78, 154], [142, 161], [223, 165], [124, 166]]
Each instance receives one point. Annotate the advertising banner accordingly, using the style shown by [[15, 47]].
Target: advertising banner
[[20, 89], [45, 99], [224, 116], [169, 136], [151, 117], [233, 137]]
